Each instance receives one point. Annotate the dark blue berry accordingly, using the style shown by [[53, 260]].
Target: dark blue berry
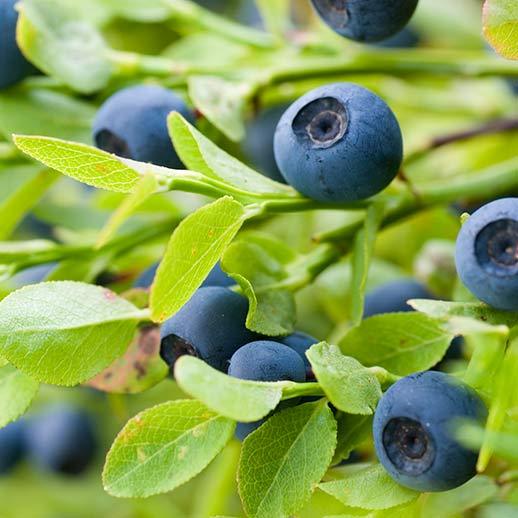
[[216, 277], [13, 65], [62, 440], [406, 38], [12, 446], [392, 297], [365, 20], [132, 123], [300, 343], [487, 253], [258, 143], [211, 326], [414, 431], [339, 143], [265, 360]]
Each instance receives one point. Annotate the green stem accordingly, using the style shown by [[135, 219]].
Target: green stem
[[188, 14], [302, 389], [385, 377]]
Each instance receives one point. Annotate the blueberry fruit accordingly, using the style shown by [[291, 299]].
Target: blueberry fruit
[[338, 143], [486, 253], [13, 65], [406, 38], [62, 440], [12, 446], [392, 297], [132, 123], [413, 433], [216, 277], [300, 343], [258, 143], [365, 20], [211, 326], [266, 360]]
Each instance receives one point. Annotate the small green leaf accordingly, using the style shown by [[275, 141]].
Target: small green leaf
[[17, 391], [241, 400], [283, 460], [16, 206], [503, 398], [350, 386], [271, 310], [361, 259], [164, 447], [476, 310], [402, 343], [63, 45], [500, 19], [202, 155], [81, 162], [65, 332], [459, 500], [222, 102], [194, 248], [146, 187], [35, 111], [352, 431], [13, 251], [371, 488], [138, 370]]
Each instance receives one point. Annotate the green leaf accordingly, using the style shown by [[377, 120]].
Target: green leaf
[[65, 332], [459, 500], [500, 18], [63, 45], [145, 188], [16, 206], [17, 391], [283, 460], [271, 310], [194, 248], [198, 153], [350, 386], [361, 259], [402, 343], [352, 431], [35, 111], [164, 447], [276, 15], [221, 102], [476, 310], [371, 488], [241, 400], [503, 398], [14, 251], [138, 370], [81, 162]]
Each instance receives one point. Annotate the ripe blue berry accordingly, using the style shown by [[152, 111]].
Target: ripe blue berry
[[338, 143], [132, 123], [62, 440], [12, 446], [13, 65], [487, 253], [300, 343], [392, 297], [413, 431], [211, 326], [216, 277], [265, 360], [365, 20], [258, 143]]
